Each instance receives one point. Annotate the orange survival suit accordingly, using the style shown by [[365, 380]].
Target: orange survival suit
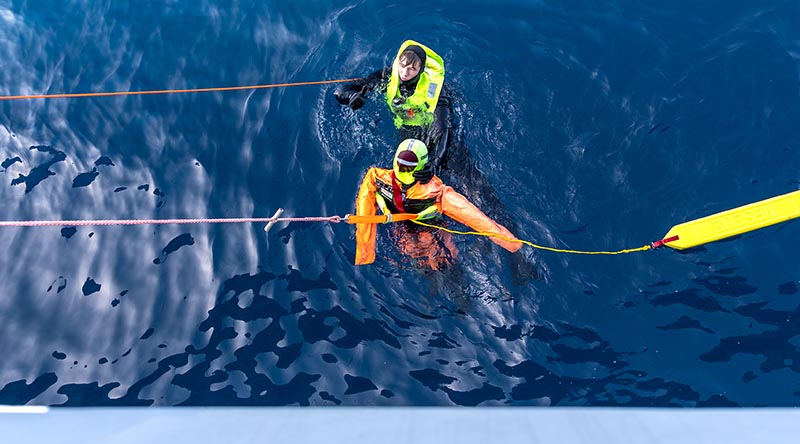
[[402, 198]]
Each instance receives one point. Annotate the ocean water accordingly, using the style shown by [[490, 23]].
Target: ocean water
[[589, 125]]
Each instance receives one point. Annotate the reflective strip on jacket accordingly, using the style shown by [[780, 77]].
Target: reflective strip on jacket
[[418, 108], [448, 201]]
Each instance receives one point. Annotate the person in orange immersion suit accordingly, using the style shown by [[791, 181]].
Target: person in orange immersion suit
[[396, 190]]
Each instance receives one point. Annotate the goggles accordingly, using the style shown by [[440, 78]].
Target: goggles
[[406, 167]]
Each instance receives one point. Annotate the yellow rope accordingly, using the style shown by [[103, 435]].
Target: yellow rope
[[531, 244]]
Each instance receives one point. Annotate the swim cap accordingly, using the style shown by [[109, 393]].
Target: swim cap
[[411, 156]]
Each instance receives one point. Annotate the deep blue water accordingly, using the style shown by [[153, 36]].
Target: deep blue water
[[592, 125]]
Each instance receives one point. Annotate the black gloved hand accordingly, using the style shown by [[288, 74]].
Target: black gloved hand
[[350, 97], [342, 95], [424, 175], [357, 100]]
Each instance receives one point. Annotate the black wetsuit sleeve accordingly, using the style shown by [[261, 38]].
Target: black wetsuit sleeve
[[442, 122], [375, 81]]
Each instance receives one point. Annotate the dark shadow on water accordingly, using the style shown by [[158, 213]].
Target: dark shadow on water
[[733, 286], [620, 385], [296, 281], [434, 380], [358, 384], [85, 179], [182, 240], [691, 298], [90, 286], [556, 377], [68, 232], [686, 323], [59, 284], [20, 392], [776, 346], [321, 325], [42, 171], [10, 161], [538, 382]]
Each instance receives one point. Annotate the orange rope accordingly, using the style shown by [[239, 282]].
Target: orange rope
[[171, 91]]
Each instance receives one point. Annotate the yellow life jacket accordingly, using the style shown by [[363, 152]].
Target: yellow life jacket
[[417, 109]]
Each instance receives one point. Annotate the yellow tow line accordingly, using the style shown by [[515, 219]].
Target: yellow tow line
[[531, 244]]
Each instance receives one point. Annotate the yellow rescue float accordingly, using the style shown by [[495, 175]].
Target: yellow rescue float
[[733, 222]]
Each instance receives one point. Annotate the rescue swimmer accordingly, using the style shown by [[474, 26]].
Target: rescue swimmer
[[396, 190], [415, 93]]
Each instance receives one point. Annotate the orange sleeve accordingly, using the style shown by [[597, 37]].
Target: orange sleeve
[[366, 206], [456, 206]]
